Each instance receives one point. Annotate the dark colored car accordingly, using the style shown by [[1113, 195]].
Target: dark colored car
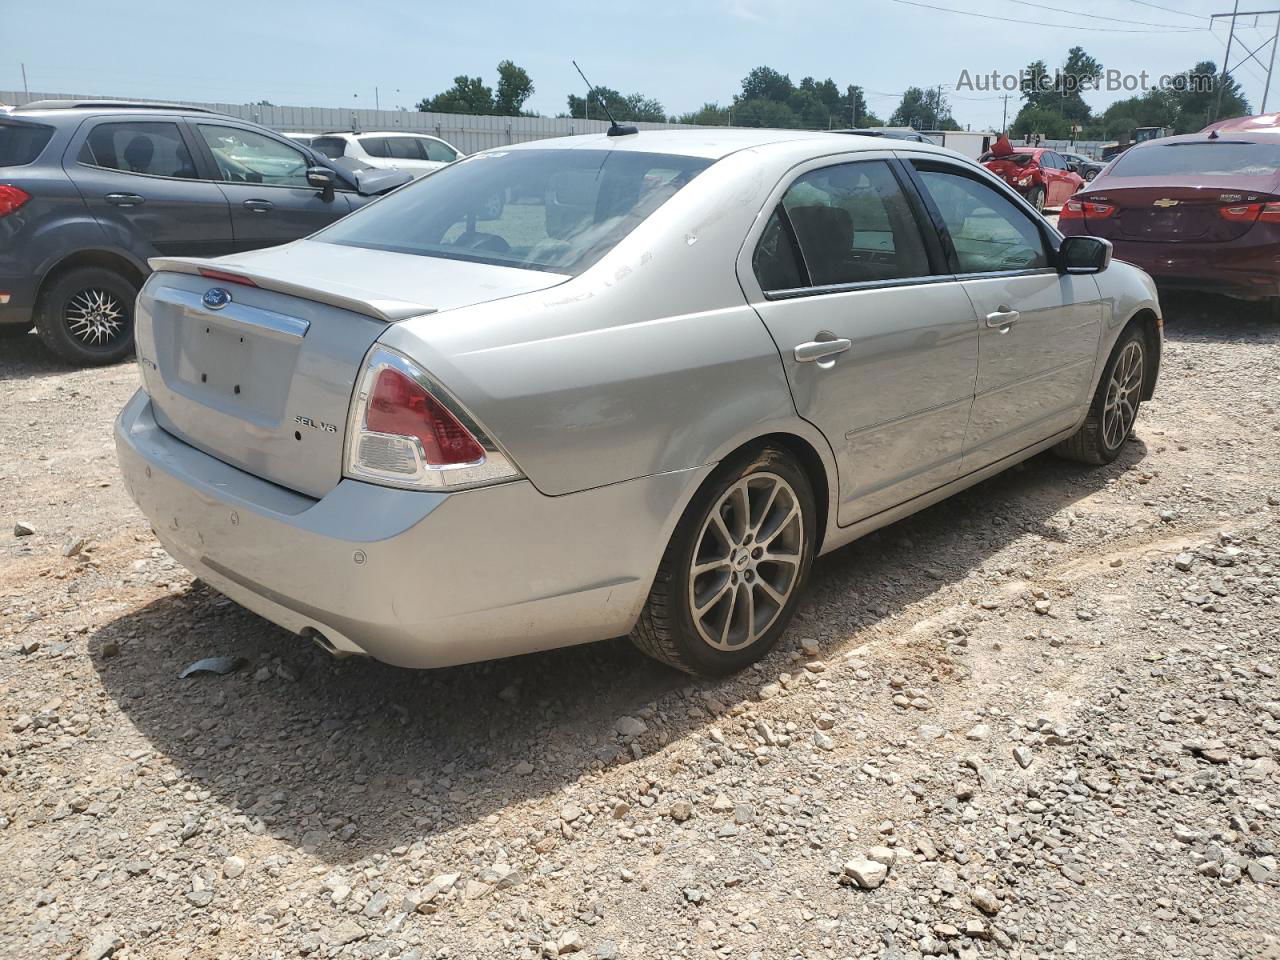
[[1200, 211], [1089, 169], [1039, 174], [89, 191]]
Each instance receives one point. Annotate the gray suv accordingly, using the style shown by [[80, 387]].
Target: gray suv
[[89, 191]]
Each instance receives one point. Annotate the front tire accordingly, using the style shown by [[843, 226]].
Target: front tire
[[86, 316], [1036, 198], [1115, 405], [730, 579]]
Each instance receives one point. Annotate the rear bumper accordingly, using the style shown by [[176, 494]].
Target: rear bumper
[[1234, 268], [20, 294], [413, 579]]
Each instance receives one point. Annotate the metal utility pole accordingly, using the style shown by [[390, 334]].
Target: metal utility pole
[[1236, 13], [25, 92], [377, 104], [1004, 121], [1275, 39]]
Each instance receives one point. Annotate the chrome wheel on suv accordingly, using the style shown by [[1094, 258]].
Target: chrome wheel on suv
[[85, 316], [95, 317]]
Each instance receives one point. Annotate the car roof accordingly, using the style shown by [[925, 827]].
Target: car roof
[[377, 133], [79, 109], [713, 143]]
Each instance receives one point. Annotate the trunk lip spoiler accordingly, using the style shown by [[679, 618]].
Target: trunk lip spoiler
[[386, 309]]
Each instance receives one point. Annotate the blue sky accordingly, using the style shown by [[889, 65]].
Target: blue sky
[[324, 52]]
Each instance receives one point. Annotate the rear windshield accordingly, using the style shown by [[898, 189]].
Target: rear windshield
[[554, 210], [21, 143], [1207, 159], [1019, 158]]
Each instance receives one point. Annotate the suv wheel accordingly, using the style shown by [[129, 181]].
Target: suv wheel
[[731, 577], [86, 316]]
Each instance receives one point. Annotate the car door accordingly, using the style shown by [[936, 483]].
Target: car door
[[141, 184], [879, 342], [264, 179], [1039, 328]]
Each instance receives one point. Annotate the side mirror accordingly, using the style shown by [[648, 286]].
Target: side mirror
[[1073, 167], [1081, 254], [322, 178]]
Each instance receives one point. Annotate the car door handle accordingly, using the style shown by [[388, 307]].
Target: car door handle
[[258, 206], [820, 349], [1004, 317], [124, 199]]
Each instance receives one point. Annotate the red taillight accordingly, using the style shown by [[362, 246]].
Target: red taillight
[[11, 198], [226, 277], [1251, 213], [1086, 210], [402, 407]]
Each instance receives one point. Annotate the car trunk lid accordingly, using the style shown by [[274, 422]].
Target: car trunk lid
[[253, 359], [1178, 210]]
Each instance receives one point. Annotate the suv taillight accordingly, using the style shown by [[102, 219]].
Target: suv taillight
[[406, 431], [11, 198]]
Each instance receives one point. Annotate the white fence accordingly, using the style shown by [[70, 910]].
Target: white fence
[[466, 132]]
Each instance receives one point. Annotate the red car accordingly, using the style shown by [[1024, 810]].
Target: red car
[[1039, 174], [1200, 211]]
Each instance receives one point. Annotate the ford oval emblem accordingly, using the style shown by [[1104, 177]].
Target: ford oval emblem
[[215, 298]]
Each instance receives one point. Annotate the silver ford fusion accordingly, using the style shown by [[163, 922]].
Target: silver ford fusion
[[611, 385]]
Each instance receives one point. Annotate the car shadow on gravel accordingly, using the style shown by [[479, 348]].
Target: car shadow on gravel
[[1208, 318], [352, 757], [27, 358]]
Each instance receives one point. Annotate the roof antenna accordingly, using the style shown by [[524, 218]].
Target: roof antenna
[[615, 128]]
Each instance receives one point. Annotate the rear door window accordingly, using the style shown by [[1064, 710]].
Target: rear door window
[[406, 148], [376, 147], [854, 225], [1205, 158], [21, 143], [440, 152], [150, 147]]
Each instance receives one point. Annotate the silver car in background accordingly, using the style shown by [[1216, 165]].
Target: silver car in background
[[616, 385]]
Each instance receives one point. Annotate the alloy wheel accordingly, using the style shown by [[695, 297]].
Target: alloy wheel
[[95, 317], [747, 561], [1123, 395]]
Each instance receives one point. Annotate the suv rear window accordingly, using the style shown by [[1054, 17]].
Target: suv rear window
[[545, 209], [21, 143], [1215, 159]]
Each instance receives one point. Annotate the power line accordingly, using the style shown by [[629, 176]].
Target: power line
[[1181, 13], [1036, 23], [1096, 16]]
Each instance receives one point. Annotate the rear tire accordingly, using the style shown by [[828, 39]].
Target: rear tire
[[730, 579], [1036, 198], [85, 316], [1115, 405]]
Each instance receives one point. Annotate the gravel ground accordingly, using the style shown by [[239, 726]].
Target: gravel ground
[[1039, 720]]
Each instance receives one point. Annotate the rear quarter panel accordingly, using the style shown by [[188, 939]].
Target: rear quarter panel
[[649, 362]]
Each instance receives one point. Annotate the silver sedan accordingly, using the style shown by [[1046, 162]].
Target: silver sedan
[[616, 385]]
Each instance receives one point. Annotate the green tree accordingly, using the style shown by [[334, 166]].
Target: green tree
[[1037, 87], [514, 88], [711, 115], [467, 95], [765, 83], [1079, 68], [924, 110], [1045, 121], [764, 113], [635, 106]]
